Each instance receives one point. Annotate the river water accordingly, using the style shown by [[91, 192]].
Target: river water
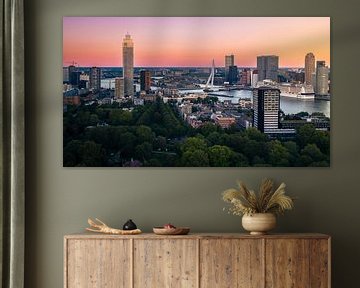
[[287, 104]]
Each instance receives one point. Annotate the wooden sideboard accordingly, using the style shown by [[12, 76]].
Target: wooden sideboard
[[197, 260]]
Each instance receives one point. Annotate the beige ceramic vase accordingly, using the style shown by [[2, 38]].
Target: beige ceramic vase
[[259, 223]]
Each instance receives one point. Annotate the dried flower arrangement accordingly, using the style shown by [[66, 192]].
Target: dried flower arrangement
[[246, 202]]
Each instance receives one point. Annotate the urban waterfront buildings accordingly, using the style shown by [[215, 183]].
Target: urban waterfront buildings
[[119, 88], [95, 78], [322, 79], [268, 67], [128, 65], [145, 80], [266, 103], [309, 68]]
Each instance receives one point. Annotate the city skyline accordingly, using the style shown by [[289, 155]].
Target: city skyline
[[170, 46]]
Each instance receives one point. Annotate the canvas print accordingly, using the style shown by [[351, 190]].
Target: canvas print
[[196, 91]]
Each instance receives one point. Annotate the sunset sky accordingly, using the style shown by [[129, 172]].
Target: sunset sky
[[194, 41]]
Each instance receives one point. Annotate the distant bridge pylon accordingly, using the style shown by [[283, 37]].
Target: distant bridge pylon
[[210, 82]]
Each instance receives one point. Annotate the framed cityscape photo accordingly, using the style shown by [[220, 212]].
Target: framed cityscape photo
[[196, 91]]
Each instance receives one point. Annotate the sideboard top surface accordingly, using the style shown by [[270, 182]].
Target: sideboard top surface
[[86, 235]]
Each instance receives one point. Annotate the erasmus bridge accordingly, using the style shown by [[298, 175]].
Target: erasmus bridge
[[209, 86], [210, 82]]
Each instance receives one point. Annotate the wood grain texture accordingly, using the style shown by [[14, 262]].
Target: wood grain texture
[[231, 263], [88, 235], [98, 264], [319, 263], [164, 263], [287, 263], [197, 260]]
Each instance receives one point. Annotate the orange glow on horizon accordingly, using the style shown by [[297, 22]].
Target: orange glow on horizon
[[195, 41]]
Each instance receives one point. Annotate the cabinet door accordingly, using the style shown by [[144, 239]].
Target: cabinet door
[[165, 263], [231, 263], [287, 263], [98, 263], [320, 263]]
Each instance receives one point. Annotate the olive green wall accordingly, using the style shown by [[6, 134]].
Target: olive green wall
[[59, 200]]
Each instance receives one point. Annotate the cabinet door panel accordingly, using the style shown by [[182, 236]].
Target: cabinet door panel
[[231, 263], [287, 263], [319, 263], [166, 263], [98, 264]]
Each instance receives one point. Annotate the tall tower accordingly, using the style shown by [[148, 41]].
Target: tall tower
[[128, 65], [268, 67], [95, 78], [266, 102], [309, 67], [229, 61], [322, 78]]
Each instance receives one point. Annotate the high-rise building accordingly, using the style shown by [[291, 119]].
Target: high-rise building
[[73, 75], [254, 78], [145, 80], [119, 87], [128, 65], [71, 69], [233, 75], [66, 74], [266, 102], [268, 67], [229, 61], [95, 78], [313, 80], [309, 67], [245, 78], [322, 79]]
